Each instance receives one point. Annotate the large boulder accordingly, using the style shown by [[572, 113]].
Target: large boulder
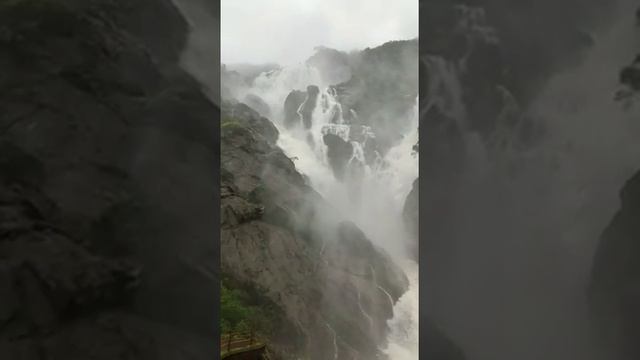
[[291, 106], [309, 105], [339, 152]]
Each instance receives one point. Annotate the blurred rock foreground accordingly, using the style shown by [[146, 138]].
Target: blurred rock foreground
[[108, 185]]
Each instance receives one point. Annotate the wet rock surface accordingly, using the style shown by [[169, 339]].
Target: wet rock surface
[[437, 345], [411, 216], [325, 277], [291, 105], [255, 102], [309, 105], [614, 292], [339, 152], [107, 191]]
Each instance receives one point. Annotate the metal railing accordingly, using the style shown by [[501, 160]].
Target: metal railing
[[239, 342]]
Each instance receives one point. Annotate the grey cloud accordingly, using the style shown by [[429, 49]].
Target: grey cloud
[[286, 31]]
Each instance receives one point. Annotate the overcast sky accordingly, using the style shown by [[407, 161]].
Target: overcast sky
[[286, 31]]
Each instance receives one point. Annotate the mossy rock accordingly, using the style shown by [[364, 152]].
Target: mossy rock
[[231, 126]]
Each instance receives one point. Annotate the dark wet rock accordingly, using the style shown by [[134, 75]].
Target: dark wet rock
[[107, 184], [309, 105], [255, 102], [355, 245], [529, 54], [48, 279], [442, 155], [241, 117], [498, 51], [443, 144], [291, 106], [339, 152], [614, 292], [629, 78], [382, 90], [411, 217], [334, 65], [437, 345], [630, 75], [230, 82], [299, 107]]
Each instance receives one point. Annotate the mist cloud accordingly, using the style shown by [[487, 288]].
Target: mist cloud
[[286, 31]]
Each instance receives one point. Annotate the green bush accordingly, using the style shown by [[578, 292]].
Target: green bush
[[230, 123], [238, 313]]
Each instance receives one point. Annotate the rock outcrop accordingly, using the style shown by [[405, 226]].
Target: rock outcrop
[[334, 65], [291, 105], [256, 103], [339, 152], [411, 216], [382, 89], [333, 287], [614, 292], [614, 287], [437, 346], [108, 191], [309, 105]]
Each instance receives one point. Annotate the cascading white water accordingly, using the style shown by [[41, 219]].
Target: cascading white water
[[403, 167], [403, 338], [383, 187]]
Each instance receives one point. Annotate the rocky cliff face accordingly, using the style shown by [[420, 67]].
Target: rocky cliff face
[[334, 289], [437, 345], [334, 66], [108, 185], [614, 291], [411, 216], [381, 90]]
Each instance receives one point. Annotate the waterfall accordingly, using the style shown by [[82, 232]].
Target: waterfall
[[403, 337], [372, 194]]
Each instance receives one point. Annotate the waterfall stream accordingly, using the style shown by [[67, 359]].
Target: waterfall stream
[[381, 186]]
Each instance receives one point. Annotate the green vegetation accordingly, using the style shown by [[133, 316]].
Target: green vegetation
[[240, 312], [230, 126], [229, 123]]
